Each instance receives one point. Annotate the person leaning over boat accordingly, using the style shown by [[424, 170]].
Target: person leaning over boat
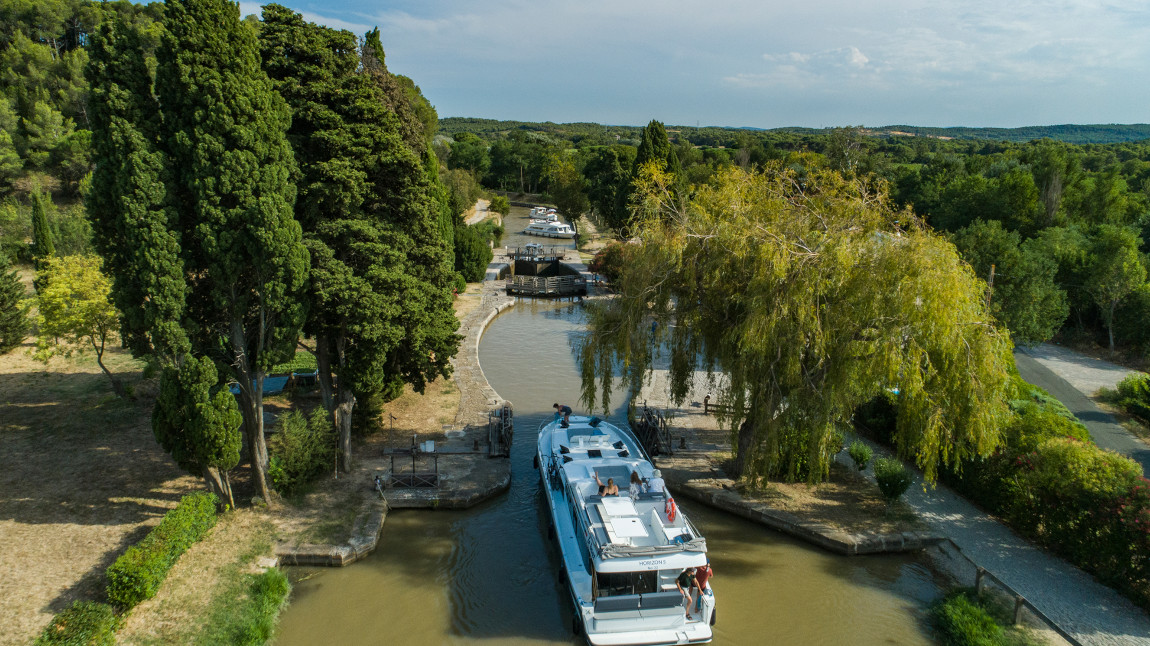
[[702, 575], [565, 411], [685, 582], [609, 489]]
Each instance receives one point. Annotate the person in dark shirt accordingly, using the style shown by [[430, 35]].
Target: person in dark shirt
[[685, 582], [565, 411]]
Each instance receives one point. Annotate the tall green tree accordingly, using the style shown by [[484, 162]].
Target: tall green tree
[[567, 186], [230, 184], [13, 308], [1054, 169], [134, 231], [43, 247], [369, 216], [809, 298], [1116, 270], [608, 175], [1024, 295]]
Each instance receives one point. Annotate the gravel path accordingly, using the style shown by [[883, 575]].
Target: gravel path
[[1086, 374]]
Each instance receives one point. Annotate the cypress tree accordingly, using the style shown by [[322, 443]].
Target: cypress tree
[[132, 229], [368, 298], [42, 246], [13, 308], [232, 194]]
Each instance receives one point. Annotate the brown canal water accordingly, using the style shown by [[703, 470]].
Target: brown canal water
[[488, 574]]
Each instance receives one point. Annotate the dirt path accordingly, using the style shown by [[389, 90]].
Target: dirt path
[[478, 213]]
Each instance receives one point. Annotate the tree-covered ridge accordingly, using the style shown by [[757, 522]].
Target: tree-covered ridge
[[583, 131]]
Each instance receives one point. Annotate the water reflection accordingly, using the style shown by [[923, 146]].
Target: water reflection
[[488, 573]]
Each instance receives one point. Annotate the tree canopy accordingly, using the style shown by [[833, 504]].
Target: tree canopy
[[803, 297]]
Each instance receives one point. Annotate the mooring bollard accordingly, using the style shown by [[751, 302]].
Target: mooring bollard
[[682, 442]]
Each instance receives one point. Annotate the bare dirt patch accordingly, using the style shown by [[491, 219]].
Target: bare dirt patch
[[81, 479]]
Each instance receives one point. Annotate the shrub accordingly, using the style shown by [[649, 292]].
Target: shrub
[[1066, 495], [610, 260], [892, 476], [1134, 396], [500, 204], [86, 623], [472, 254], [140, 570], [860, 453], [301, 451], [961, 621]]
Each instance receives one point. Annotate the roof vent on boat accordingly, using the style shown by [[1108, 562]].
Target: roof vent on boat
[[594, 453], [567, 458], [563, 449], [624, 453], [618, 445], [594, 421]]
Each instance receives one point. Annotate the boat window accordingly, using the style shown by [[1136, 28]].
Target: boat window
[[617, 583]]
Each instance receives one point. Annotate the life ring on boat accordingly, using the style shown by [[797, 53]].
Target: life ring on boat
[[670, 509]]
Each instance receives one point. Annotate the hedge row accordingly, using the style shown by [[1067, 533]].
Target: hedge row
[[1052, 484], [86, 623], [138, 573]]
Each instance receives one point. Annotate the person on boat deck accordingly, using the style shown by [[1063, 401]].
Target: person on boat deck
[[685, 582], [656, 484], [565, 411], [609, 489], [702, 575], [636, 486]]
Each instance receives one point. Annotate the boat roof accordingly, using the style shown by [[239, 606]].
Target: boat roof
[[628, 534]]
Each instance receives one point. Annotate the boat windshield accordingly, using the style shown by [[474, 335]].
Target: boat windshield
[[614, 584]]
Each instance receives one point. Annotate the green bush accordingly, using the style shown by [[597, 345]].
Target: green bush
[[1066, 495], [140, 570], [610, 260], [892, 476], [301, 451], [86, 623], [961, 621], [860, 453], [500, 204], [1134, 396]]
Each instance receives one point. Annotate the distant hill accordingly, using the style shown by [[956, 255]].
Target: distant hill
[[1070, 133]]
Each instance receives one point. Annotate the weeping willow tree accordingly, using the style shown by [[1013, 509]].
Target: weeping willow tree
[[799, 295]]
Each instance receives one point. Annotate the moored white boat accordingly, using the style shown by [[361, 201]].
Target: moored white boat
[[549, 229], [621, 555]]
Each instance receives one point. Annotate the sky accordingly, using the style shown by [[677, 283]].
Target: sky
[[765, 63]]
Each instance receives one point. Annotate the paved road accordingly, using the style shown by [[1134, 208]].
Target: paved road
[[1038, 367]]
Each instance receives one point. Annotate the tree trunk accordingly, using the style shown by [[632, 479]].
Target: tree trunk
[[1110, 324], [343, 423], [219, 485], [117, 385], [746, 440], [323, 372], [252, 408]]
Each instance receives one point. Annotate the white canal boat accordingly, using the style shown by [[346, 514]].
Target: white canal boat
[[549, 229], [621, 555]]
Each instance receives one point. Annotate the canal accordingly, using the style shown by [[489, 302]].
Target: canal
[[488, 574]]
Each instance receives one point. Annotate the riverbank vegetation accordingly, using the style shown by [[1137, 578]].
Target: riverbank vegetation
[[966, 618]]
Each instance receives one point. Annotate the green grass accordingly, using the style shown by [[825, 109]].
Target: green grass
[[246, 615], [965, 618], [303, 362]]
